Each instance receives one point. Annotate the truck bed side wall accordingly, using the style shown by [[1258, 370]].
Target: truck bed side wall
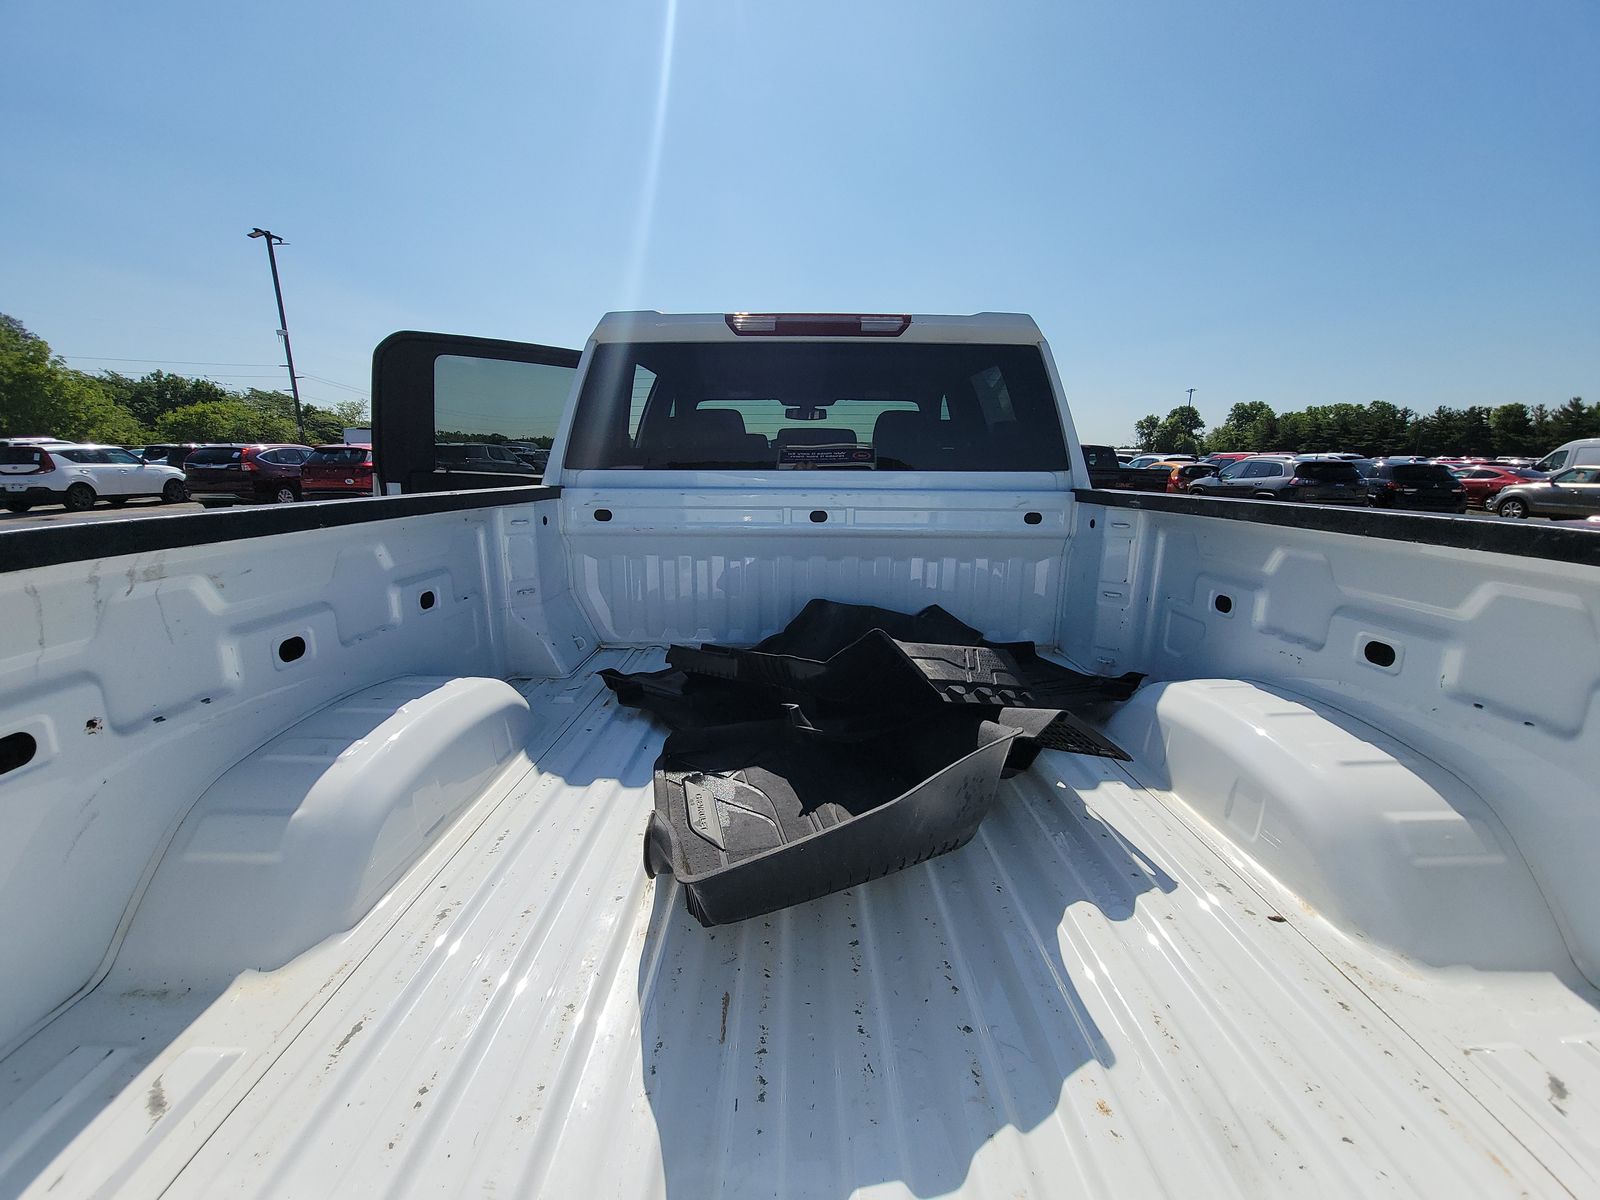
[[1496, 657], [141, 678]]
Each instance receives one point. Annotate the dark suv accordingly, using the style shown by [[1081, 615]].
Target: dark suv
[[169, 454], [1280, 477], [1420, 486], [269, 472], [483, 457]]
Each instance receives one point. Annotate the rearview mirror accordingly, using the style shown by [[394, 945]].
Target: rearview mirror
[[808, 413]]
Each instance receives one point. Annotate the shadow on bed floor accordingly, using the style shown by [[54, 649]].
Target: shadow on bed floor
[[886, 1033]]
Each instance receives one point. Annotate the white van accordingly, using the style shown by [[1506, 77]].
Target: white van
[[1585, 452]]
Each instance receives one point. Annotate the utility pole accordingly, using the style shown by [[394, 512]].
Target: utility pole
[[1194, 417], [272, 240]]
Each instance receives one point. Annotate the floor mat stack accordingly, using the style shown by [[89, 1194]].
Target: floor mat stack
[[853, 743]]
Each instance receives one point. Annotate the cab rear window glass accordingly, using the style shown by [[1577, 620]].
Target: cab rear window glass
[[1328, 472], [816, 405], [1423, 473]]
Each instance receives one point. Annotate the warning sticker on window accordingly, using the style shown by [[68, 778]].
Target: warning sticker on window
[[800, 458]]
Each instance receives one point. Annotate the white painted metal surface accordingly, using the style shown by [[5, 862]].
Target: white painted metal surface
[[1496, 669], [731, 565], [651, 326], [1096, 997], [303, 836], [143, 678], [1388, 846]]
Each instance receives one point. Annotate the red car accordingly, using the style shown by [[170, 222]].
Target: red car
[[1483, 481], [1183, 474], [267, 472], [343, 470]]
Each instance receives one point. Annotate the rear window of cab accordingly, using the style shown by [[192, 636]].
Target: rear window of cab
[[816, 405]]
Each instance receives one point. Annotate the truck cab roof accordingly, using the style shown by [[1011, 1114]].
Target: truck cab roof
[[649, 326]]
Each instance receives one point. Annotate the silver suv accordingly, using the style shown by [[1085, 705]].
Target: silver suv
[[1310, 478]]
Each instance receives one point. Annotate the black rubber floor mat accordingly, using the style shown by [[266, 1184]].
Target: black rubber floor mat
[[853, 743], [874, 669], [761, 816]]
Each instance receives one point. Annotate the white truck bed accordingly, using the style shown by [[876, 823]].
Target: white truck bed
[[1097, 996]]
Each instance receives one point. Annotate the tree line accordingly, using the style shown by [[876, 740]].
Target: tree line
[[41, 396], [1375, 429]]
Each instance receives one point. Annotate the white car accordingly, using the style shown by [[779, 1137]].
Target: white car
[[77, 475]]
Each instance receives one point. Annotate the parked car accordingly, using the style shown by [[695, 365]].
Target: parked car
[[268, 472], [537, 457], [337, 470], [1107, 470], [1150, 460], [1482, 482], [1281, 477], [1223, 457], [171, 454], [1585, 452], [1426, 486], [481, 456], [77, 475], [1184, 474], [1574, 492]]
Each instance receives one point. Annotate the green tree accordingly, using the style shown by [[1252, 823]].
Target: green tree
[[1181, 432], [41, 396], [1145, 430], [1477, 434], [1440, 432], [230, 420], [1512, 426], [1250, 425], [321, 424], [355, 414], [1543, 438], [151, 396], [1573, 420], [1382, 429], [1297, 430]]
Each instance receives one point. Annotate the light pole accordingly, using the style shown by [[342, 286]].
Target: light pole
[[1194, 417], [272, 240]]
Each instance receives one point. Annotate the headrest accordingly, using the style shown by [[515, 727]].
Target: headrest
[[907, 441], [717, 423]]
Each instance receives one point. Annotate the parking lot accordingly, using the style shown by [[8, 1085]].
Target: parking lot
[[56, 515]]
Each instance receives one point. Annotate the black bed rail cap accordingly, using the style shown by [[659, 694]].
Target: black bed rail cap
[[1525, 539], [80, 541]]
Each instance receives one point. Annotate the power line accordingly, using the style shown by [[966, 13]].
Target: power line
[[334, 383], [360, 391], [181, 362], [213, 376], [218, 375]]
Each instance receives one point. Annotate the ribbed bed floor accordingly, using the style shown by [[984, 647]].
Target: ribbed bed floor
[[1092, 998]]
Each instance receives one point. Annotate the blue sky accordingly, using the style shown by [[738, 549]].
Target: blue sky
[[1291, 202]]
